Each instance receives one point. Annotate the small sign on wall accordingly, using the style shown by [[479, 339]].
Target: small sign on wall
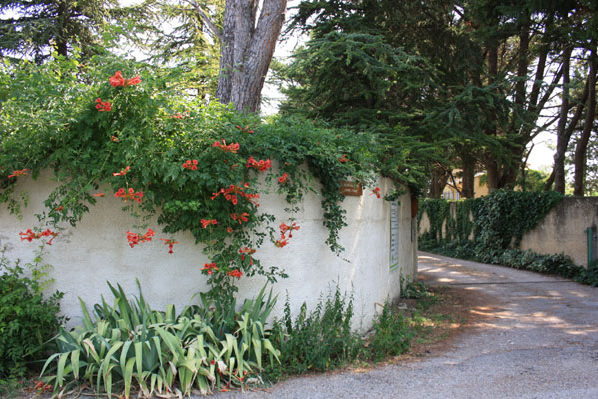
[[394, 236], [351, 188]]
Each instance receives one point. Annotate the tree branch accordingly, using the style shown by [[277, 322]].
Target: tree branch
[[206, 19]]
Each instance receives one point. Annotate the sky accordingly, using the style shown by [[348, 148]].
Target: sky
[[541, 157]]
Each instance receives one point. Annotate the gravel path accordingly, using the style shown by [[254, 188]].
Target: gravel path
[[538, 339]]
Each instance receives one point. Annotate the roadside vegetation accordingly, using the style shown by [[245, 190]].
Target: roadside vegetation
[[126, 348]]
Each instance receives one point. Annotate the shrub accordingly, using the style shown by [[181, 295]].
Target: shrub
[[320, 340], [392, 333], [130, 346], [27, 319], [590, 275], [413, 290], [557, 264]]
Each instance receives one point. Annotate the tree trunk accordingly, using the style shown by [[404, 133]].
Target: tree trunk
[[522, 64], [491, 164], [247, 47], [512, 166], [503, 172], [468, 176], [61, 34], [582, 144], [558, 172], [562, 147], [492, 173], [562, 141], [438, 181]]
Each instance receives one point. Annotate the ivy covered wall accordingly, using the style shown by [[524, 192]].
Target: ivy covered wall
[[496, 221], [537, 231]]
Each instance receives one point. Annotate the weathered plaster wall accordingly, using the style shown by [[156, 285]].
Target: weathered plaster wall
[[563, 230], [85, 257]]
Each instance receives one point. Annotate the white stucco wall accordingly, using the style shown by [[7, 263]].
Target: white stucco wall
[[85, 257]]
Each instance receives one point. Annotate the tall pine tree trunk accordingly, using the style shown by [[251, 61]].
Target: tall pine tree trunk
[[247, 46], [468, 175], [562, 140], [438, 181], [491, 162], [582, 144], [564, 135]]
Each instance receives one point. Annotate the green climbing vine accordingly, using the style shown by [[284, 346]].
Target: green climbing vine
[[116, 128], [503, 217], [438, 211], [498, 222]]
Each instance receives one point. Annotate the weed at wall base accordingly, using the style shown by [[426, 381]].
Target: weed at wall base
[[316, 341], [392, 334], [322, 340]]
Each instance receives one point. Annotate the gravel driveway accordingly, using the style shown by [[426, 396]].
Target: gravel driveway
[[538, 339]]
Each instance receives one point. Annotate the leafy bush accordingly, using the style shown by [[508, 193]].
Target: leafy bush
[[198, 167], [130, 346], [322, 339], [316, 341], [27, 319], [590, 275], [414, 290], [557, 264], [392, 334]]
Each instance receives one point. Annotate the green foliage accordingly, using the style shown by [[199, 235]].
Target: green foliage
[[35, 28], [130, 347], [415, 290], [49, 119], [322, 339], [27, 319], [437, 211], [223, 316], [455, 249], [550, 264], [535, 180], [463, 225], [477, 77], [176, 34], [392, 334], [410, 70], [316, 341], [589, 275], [504, 216], [557, 264], [363, 62], [499, 221]]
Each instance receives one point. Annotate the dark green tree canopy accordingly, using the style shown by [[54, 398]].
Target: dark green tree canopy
[[35, 28]]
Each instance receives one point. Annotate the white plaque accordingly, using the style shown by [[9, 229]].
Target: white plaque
[[394, 236]]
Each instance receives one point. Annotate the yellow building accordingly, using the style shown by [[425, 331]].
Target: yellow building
[[452, 190]]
